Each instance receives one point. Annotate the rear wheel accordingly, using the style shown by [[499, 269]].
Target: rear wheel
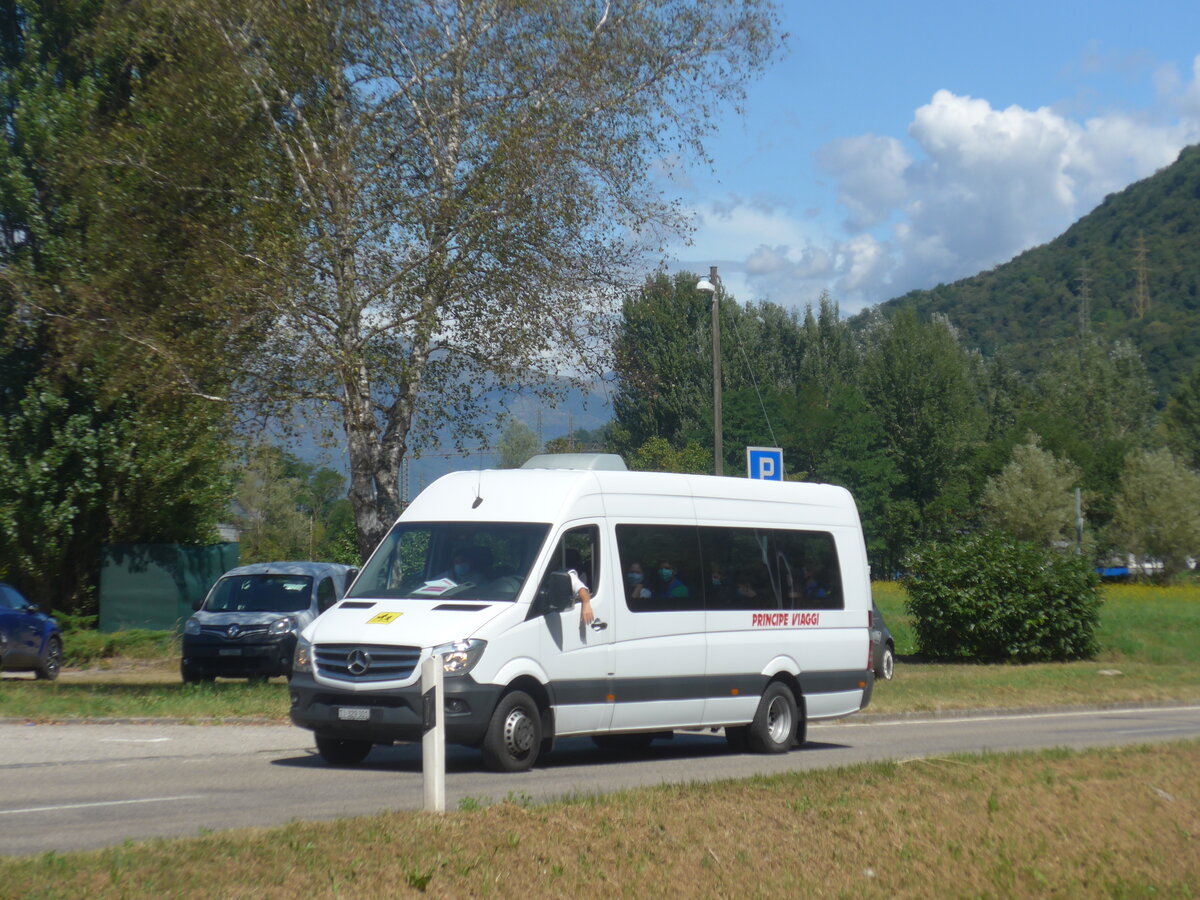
[[887, 663], [774, 727], [342, 751], [514, 734], [52, 664]]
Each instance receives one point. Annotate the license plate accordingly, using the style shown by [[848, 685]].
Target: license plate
[[354, 713], [235, 651]]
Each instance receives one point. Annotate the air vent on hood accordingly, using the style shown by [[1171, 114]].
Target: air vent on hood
[[461, 607], [355, 604]]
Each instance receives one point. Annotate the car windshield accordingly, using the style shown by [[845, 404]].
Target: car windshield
[[458, 560], [260, 593]]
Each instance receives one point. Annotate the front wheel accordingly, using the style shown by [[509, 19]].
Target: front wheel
[[774, 727], [514, 734], [52, 664], [341, 751]]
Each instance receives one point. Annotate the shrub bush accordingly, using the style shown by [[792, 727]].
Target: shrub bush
[[992, 597]]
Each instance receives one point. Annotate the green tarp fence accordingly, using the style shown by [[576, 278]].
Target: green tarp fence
[[154, 585]]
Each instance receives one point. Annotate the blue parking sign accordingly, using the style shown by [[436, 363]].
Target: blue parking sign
[[765, 463]]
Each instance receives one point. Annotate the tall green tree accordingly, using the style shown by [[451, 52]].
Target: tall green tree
[[464, 172], [517, 444], [1157, 512], [1181, 420], [1032, 498], [921, 386], [77, 473], [1093, 404], [92, 451]]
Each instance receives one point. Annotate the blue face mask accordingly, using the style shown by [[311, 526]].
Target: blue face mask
[[665, 574], [462, 570], [634, 577]]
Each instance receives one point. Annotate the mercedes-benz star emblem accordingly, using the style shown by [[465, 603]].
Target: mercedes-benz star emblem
[[358, 661], [234, 630]]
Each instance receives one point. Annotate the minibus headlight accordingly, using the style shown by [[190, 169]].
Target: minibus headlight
[[459, 657], [302, 658], [192, 626], [286, 625]]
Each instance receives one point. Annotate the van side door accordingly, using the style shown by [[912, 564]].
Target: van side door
[[576, 657], [660, 644]]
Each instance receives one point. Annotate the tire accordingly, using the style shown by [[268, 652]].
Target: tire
[[887, 664], [342, 751], [774, 727], [52, 664], [624, 743], [191, 676], [514, 734]]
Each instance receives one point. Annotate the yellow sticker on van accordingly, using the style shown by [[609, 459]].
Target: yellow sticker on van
[[384, 618]]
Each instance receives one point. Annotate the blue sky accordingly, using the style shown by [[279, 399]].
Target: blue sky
[[900, 145]]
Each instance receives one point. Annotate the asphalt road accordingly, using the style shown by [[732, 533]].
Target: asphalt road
[[83, 786]]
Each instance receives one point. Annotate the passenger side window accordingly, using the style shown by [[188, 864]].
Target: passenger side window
[[667, 559], [737, 567], [809, 575], [578, 549]]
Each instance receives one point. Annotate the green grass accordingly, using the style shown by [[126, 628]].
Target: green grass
[[1149, 653], [114, 698], [1149, 637], [1103, 823]]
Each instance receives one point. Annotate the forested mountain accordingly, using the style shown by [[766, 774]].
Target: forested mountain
[[1129, 269]]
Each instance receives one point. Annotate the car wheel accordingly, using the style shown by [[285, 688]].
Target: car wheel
[[342, 751], [191, 676], [514, 734], [774, 727], [887, 664], [52, 664]]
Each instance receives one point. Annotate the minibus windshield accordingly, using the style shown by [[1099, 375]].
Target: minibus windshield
[[452, 560]]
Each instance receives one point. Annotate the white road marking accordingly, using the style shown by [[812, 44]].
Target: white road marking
[[38, 809], [157, 740], [951, 720]]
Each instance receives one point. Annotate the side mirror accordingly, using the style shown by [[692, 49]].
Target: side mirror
[[197, 603], [556, 593]]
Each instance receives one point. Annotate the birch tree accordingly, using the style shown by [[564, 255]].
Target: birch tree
[[477, 182]]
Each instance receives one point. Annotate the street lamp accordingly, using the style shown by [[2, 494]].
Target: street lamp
[[709, 286]]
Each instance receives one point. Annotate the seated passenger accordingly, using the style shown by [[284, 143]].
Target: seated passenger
[[635, 582], [671, 586]]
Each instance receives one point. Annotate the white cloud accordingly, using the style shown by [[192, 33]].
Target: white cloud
[[975, 186]]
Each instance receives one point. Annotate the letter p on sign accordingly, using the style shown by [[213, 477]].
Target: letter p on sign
[[764, 463]]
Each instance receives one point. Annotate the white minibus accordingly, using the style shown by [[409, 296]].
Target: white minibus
[[718, 603]]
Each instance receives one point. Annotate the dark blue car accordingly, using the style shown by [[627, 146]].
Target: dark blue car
[[29, 639]]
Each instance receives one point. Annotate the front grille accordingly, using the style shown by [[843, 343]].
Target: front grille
[[244, 631], [366, 662]]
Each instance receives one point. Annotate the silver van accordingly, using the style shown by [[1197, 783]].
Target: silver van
[[246, 626]]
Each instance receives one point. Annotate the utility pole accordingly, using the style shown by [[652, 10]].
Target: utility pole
[[709, 286]]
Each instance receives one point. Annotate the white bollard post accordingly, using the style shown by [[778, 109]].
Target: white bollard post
[[433, 741]]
